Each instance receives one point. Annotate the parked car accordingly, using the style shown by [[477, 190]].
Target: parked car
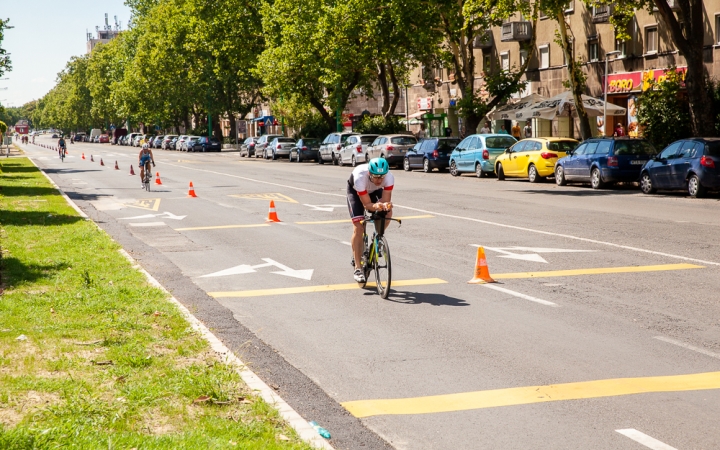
[[136, 140], [165, 143], [430, 153], [331, 145], [79, 137], [533, 158], [600, 161], [477, 153], [304, 149], [392, 147], [355, 148], [247, 148], [206, 144], [104, 139], [188, 144], [156, 142], [173, 144], [179, 143], [279, 147], [262, 143], [690, 164]]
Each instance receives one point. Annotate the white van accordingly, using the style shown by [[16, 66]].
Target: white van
[[94, 133]]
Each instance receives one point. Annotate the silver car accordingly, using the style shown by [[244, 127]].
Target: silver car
[[331, 146], [262, 143], [355, 148], [392, 147], [189, 143], [280, 146]]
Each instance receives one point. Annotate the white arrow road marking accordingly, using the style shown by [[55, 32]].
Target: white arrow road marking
[[327, 208], [546, 250], [534, 257], [245, 268], [529, 257], [165, 215]]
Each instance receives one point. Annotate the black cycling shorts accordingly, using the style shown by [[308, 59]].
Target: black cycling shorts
[[355, 206]]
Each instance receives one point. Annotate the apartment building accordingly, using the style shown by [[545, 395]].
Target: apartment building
[[648, 53]]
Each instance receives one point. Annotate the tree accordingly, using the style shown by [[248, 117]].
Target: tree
[[662, 113], [5, 63], [687, 31]]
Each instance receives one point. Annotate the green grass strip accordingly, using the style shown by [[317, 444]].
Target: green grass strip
[[107, 361]]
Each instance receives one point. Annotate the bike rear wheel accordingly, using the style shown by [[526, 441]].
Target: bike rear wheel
[[383, 268]]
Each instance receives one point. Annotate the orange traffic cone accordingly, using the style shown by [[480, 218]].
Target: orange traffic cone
[[191, 191], [83, 156], [272, 215], [482, 274], [132, 172], [101, 162], [157, 178], [116, 166], [91, 159]]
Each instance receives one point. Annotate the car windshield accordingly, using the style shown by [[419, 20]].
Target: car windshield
[[404, 140], [499, 142], [344, 137], [712, 148], [309, 142], [562, 146], [448, 144], [634, 148], [367, 139], [214, 140]]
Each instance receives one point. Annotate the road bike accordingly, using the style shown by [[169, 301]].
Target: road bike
[[147, 177], [376, 252], [62, 154]]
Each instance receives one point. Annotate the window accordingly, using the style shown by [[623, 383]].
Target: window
[[593, 50], [428, 145], [620, 47], [570, 7], [505, 60], [500, 142], [651, 39], [448, 144], [367, 139], [544, 56], [717, 29], [581, 149], [591, 147], [520, 146], [600, 10], [671, 151], [562, 146], [688, 150], [403, 140], [487, 62], [603, 148], [523, 56], [473, 143]]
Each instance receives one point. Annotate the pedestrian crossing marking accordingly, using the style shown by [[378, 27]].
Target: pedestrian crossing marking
[[276, 196], [152, 204]]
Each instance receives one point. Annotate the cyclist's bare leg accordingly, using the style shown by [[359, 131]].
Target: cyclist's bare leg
[[142, 172], [357, 243]]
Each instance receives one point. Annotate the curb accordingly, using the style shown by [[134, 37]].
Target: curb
[[306, 432]]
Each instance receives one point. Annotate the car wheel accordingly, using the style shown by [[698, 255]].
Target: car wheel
[[695, 189], [453, 169], [367, 157], [596, 179], [320, 160], [646, 185], [478, 170], [340, 161], [353, 161], [272, 156], [406, 165], [560, 176], [334, 159], [533, 174], [426, 166], [500, 172]]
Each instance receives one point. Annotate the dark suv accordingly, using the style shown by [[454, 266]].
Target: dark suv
[[600, 161], [429, 154], [207, 144]]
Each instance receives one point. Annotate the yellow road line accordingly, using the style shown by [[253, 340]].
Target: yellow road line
[[252, 225], [427, 216], [534, 394], [321, 288], [596, 271]]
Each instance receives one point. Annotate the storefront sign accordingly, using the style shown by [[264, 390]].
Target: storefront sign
[[659, 76], [637, 81], [425, 103]]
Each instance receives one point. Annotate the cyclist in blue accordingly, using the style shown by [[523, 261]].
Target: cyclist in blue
[[61, 147], [144, 157], [369, 188]]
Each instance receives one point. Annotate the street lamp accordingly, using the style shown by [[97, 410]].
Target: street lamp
[[607, 55]]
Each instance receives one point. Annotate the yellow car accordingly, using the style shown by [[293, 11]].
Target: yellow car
[[533, 158]]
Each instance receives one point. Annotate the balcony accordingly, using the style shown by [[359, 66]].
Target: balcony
[[483, 40], [516, 31], [600, 14]]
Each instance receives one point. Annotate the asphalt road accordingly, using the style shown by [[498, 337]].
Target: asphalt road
[[623, 352]]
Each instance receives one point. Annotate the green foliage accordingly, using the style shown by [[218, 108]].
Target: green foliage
[[3, 127], [662, 114], [315, 126], [5, 63], [380, 125]]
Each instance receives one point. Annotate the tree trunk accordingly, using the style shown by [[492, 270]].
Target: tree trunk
[[216, 128], [396, 90], [576, 85], [382, 81], [329, 120], [233, 125]]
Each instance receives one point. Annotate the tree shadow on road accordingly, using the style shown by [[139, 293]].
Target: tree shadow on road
[[64, 171], [416, 298]]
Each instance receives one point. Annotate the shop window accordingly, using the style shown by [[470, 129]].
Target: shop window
[[651, 39], [505, 60], [593, 50], [544, 52]]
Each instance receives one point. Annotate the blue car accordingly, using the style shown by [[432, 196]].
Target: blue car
[[692, 164], [601, 161], [477, 153], [205, 144], [429, 154]]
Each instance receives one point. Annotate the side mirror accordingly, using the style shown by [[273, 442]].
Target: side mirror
[[508, 150]]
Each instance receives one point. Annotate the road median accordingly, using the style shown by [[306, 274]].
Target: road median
[[94, 356]]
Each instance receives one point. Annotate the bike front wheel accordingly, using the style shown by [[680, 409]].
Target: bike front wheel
[[383, 268]]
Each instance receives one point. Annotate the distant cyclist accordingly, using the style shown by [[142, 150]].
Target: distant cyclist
[[145, 157], [369, 188], [61, 147]]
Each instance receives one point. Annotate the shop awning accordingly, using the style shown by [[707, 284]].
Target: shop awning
[[417, 115], [560, 105], [507, 112]]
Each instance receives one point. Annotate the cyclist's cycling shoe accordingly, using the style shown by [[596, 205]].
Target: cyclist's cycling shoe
[[359, 276]]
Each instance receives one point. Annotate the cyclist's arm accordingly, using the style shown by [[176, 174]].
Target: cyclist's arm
[[382, 205]]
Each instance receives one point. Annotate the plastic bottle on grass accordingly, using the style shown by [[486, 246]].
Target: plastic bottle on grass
[[320, 430]]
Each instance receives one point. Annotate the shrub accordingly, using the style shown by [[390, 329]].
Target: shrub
[[663, 115], [380, 125]]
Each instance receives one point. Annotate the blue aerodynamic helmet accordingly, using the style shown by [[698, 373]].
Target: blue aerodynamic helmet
[[378, 166]]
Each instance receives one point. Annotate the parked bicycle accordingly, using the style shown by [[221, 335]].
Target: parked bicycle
[[376, 252]]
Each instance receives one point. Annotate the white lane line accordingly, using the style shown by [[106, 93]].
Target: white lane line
[[514, 227], [644, 439], [147, 224], [688, 346], [519, 295], [346, 243]]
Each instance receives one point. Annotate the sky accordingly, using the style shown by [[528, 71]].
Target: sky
[[46, 34]]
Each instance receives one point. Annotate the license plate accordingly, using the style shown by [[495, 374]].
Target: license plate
[[637, 163]]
